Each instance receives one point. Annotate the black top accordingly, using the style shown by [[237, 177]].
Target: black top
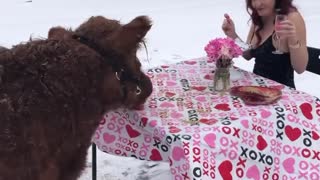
[[314, 60], [276, 67]]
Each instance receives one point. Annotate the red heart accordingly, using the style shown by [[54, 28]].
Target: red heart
[[208, 77], [190, 62], [210, 61], [225, 169], [306, 109], [144, 121], [233, 118], [139, 107], [292, 133], [132, 132], [315, 136], [208, 121], [173, 129], [170, 94], [279, 87], [164, 66], [223, 107], [199, 88], [155, 155], [262, 144]]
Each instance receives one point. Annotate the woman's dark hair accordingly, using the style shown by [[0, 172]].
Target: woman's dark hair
[[284, 6]]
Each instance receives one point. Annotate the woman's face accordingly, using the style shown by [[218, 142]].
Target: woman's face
[[264, 7]]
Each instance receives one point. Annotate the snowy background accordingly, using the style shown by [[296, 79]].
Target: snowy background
[[181, 28]]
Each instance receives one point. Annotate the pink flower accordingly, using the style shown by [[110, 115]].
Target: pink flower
[[222, 48]]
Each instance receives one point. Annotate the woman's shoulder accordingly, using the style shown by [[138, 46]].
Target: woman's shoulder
[[294, 14], [296, 17]]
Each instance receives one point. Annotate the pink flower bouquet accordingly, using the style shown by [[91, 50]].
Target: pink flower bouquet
[[222, 51]]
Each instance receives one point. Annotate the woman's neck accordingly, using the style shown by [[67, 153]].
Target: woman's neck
[[267, 20]]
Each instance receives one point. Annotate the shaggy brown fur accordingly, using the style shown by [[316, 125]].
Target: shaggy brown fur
[[54, 92]]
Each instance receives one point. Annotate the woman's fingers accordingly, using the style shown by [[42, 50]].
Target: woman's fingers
[[226, 25], [286, 29], [285, 25], [285, 34], [227, 17], [227, 22]]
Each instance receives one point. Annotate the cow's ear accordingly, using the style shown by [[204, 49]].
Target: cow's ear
[[59, 33], [132, 34]]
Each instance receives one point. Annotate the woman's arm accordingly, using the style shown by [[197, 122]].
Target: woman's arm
[[228, 28], [293, 30], [297, 43], [247, 54], [250, 34]]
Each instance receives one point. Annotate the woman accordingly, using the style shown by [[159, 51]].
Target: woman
[[289, 37]]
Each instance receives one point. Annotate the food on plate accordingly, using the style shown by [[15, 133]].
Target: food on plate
[[256, 95]]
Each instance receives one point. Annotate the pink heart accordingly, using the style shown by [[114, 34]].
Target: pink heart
[[253, 172], [209, 77], [153, 123], [173, 129], [210, 140], [288, 165], [171, 83], [190, 62], [163, 76], [245, 123], [265, 114], [178, 153], [201, 99], [167, 105], [284, 97], [108, 138], [176, 115]]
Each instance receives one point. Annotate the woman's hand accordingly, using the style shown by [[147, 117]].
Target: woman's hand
[[294, 30], [287, 30], [228, 27], [247, 54]]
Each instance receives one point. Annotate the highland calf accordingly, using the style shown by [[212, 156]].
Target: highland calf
[[54, 92]]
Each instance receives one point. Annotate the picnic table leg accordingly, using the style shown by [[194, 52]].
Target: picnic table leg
[[94, 161]]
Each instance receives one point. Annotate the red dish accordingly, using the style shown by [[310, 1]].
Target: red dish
[[256, 95]]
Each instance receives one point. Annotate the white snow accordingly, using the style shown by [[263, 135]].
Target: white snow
[[181, 29]]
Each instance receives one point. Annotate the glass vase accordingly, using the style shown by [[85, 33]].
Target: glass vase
[[221, 80]]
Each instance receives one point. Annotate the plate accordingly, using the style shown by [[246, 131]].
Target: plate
[[256, 95]]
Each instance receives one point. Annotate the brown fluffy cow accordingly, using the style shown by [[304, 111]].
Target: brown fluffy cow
[[53, 93]]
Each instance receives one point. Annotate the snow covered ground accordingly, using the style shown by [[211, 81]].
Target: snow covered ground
[[181, 28]]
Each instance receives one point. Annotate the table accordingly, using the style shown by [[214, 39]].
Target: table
[[208, 135]]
